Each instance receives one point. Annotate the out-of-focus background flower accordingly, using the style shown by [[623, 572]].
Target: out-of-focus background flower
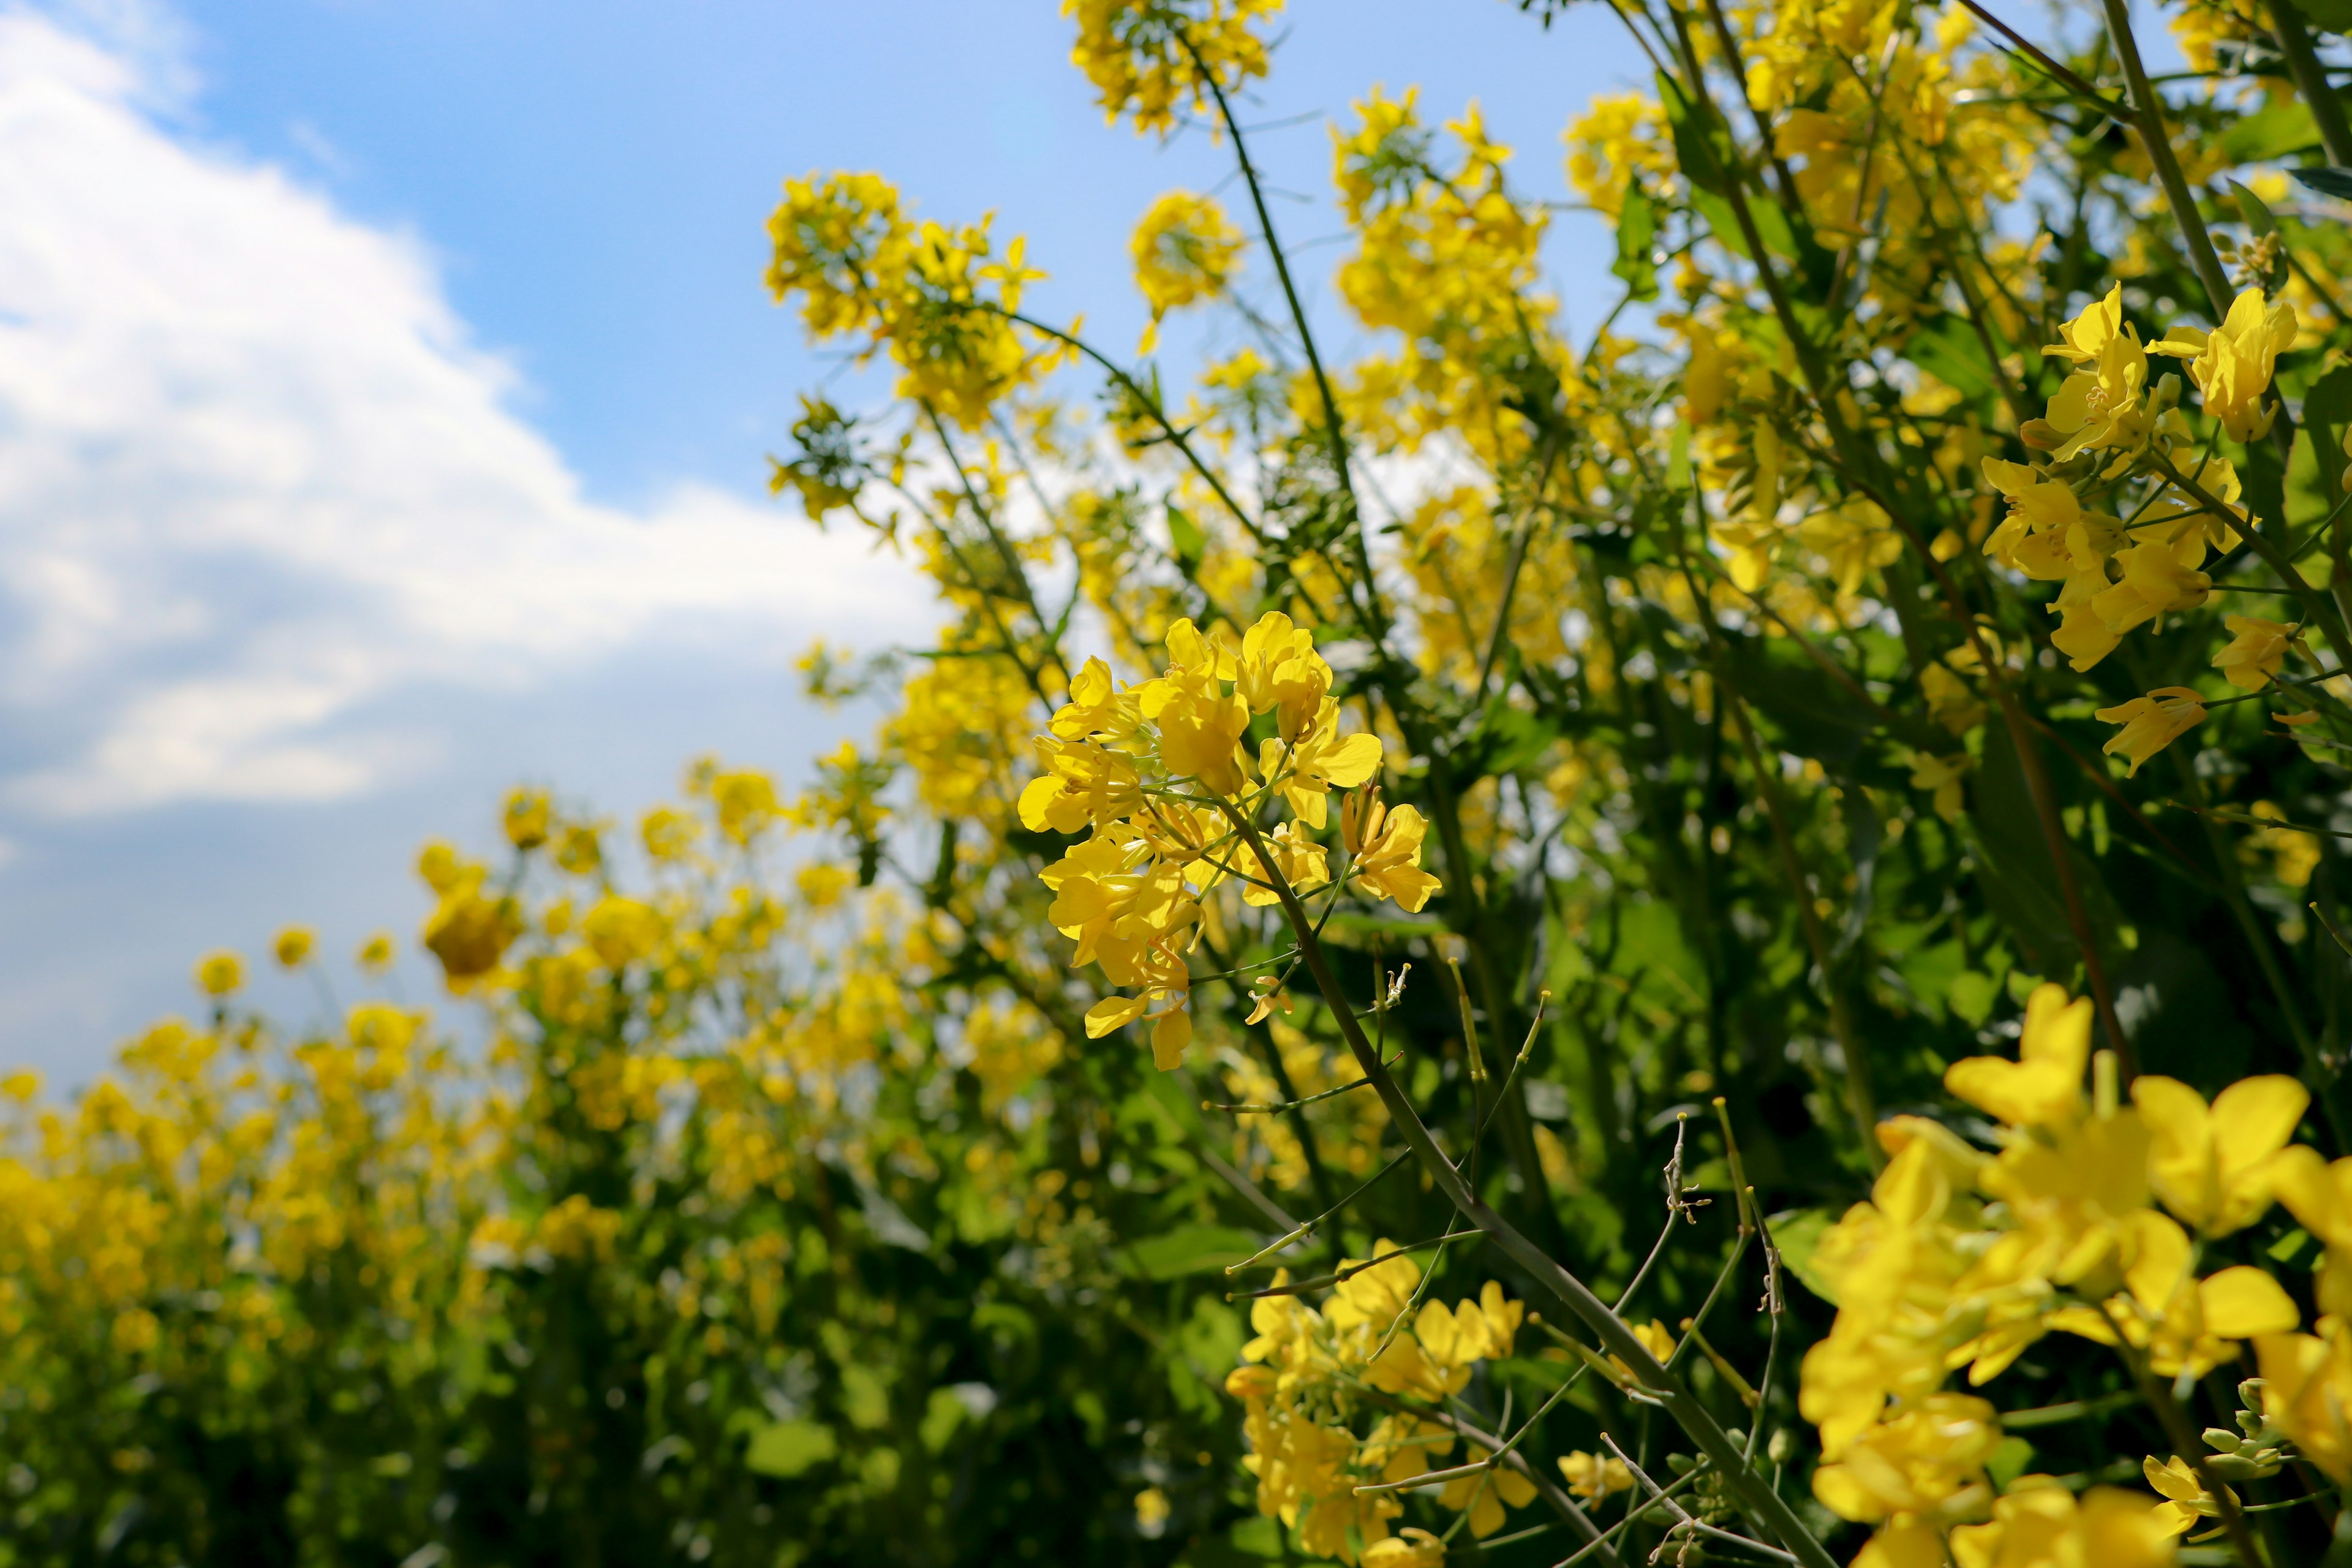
[[385, 392]]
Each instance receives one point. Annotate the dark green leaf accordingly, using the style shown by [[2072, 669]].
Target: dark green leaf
[[1191, 1249]]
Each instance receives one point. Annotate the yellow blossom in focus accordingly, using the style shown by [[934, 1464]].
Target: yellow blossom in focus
[[2186, 1498], [1385, 849], [2152, 722], [2232, 365]]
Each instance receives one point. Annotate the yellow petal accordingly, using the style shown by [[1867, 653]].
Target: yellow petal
[[2242, 1302], [1112, 1013], [1353, 760], [2253, 1118], [1169, 1035]]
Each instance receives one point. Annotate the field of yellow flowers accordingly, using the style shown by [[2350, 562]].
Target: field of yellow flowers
[[1721, 943]]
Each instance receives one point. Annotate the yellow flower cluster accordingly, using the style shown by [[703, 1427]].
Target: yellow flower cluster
[[1161, 776], [1148, 59], [1184, 250], [938, 299], [1962, 1259], [1375, 1346]]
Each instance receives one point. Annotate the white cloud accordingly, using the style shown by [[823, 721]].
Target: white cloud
[[255, 481]]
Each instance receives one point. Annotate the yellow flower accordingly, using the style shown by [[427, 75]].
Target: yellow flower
[[621, 931], [2097, 410], [1150, 58], [2156, 581], [1485, 1495], [2216, 1168], [1950, 701], [376, 952], [1279, 671], [2182, 1322], [2086, 337], [1942, 776], [219, 973], [1319, 762], [2039, 1524], [294, 945], [1200, 728], [2307, 1393], [2256, 650], [1926, 1461], [469, 933], [1184, 251], [1150, 1513], [1386, 847], [2319, 1195], [1594, 1476], [2043, 1088], [1412, 1547], [2232, 365], [526, 817], [2152, 722], [2186, 1498]]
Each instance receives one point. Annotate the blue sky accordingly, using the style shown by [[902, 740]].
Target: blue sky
[[385, 392]]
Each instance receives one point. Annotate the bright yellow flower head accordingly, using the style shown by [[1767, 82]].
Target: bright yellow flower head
[[294, 945], [2216, 1168], [2319, 1195], [2307, 1391], [2101, 409], [2086, 337], [2043, 1088], [1594, 1476], [1151, 57], [526, 817], [1928, 1460], [1386, 847], [2232, 365], [2040, 1524], [2186, 1498], [2152, 722], [2181, 1322], [2257, 649], [220, 973]]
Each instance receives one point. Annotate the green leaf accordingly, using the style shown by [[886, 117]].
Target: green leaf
[[1191, 1249], [1185, 536], [2008, 1461], [2327, 180], [2335, 15], [789, 1447], [2255, 210], [1972, 995], [1797, 1234], [1637, 234], [2314, 477], [1949, 349], [2269, 135]]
